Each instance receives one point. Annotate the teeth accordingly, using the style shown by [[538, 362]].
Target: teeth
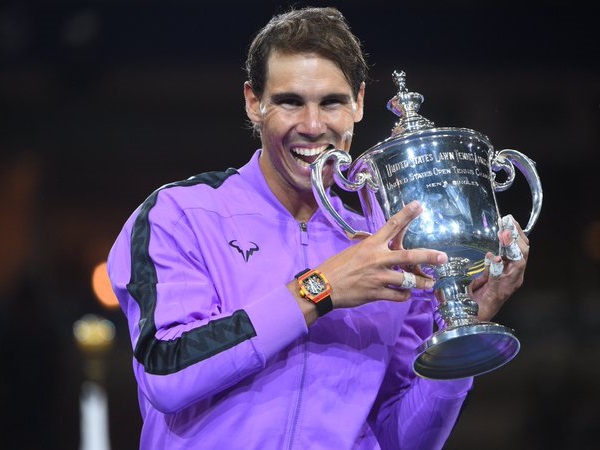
[[309, 151]]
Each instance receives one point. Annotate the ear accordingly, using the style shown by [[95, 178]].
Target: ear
[[360, 103], [252, 104]]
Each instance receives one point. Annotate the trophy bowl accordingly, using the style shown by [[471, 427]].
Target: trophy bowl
[[452, 173]]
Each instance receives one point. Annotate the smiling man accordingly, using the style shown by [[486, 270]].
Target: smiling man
[[255, 323], [306, 107]]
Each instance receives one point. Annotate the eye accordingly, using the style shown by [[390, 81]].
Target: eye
[[330, 102], [292, 102], [335, 101], [287, 101]]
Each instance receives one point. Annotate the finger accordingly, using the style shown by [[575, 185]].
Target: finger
[[479, 281], [523, 240], [508, 225], [513, 251], [510, 236], [395, 227], [494, 265], [408, 281], [516, 250], [394, 294], [417, 269], [511, 230], [415, 257]]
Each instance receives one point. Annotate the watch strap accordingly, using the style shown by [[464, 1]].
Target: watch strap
[[324, 305]]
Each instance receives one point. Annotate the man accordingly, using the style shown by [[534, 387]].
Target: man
[[230, 350]]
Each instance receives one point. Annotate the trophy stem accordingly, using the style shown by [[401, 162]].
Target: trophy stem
[[454, 305], [463, 346]]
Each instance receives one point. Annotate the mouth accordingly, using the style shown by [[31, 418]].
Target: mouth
[[305, 156]]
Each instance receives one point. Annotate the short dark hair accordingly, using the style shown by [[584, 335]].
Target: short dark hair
[[324, 31]]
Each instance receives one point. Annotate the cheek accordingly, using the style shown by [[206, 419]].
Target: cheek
[[342, 120], [342, 123], [276, 122]]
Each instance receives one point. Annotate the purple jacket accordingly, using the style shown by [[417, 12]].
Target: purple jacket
[[222, 354]]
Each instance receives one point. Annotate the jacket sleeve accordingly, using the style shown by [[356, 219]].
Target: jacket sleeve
[[413, 412], [187, 346]]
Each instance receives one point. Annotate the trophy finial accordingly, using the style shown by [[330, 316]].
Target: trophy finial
[[405, 105], [400, 80]]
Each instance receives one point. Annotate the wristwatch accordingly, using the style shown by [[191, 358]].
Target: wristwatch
[[314, 287]]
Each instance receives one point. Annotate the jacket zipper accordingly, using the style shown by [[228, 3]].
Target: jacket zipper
[[304, 235], [298, 407]]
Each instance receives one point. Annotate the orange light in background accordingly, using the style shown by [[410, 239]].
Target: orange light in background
[[102, 288], [591, 240]]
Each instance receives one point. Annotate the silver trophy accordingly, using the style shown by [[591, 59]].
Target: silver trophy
[[452, 173]]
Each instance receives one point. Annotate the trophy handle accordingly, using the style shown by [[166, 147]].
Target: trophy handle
[[341, 161], [506, 160]]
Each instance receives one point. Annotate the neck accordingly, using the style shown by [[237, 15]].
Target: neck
[[300, 202], [301, 206]]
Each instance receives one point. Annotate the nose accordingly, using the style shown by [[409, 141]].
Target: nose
[[312, 120]]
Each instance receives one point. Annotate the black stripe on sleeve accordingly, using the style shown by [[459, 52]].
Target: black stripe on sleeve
[[163, 357]]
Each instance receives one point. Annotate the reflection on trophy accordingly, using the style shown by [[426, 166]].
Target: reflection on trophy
[[452, 173]]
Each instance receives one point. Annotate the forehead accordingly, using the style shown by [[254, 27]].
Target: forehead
[[304, 73]]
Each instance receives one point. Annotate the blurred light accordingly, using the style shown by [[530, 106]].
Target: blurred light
[[591, 240], [94, 333], [102, 288]]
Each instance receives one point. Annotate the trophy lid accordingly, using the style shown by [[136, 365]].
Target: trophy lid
[[405, 105]]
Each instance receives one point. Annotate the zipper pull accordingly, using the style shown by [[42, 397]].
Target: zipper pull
[[303, 233]]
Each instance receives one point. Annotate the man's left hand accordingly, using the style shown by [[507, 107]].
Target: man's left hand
[[504, 273]]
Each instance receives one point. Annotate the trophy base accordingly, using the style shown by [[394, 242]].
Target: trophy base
[[465, 351]]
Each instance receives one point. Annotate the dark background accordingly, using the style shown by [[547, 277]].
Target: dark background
[[103, 101]]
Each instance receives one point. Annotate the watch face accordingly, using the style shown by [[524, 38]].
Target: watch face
[[314, 284]]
